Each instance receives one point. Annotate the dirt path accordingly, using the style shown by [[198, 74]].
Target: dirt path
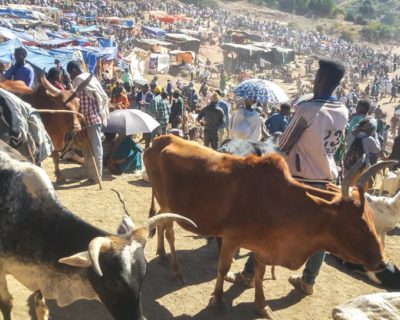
[[163, 296]]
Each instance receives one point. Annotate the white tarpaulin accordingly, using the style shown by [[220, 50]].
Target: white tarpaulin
[[159, 63], [138, 61], [370, 307]]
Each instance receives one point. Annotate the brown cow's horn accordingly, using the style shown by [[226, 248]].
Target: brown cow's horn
[[97, 245], [83, 85], [349, 177], [363, 179], [47, 85], [164, 218]]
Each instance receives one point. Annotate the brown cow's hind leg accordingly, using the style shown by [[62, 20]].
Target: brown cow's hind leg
[[228, 250], [262, 308], [170, 235], [273, 273], [160, 241], [6, 300]]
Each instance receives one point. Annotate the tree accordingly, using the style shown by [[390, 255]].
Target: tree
[[367, 8], [322, 7], [296, 6]]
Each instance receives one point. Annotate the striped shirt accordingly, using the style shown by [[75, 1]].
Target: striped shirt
[[312, 138], [90, 109]]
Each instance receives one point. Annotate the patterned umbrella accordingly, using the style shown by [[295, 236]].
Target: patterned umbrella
[[261, 91]]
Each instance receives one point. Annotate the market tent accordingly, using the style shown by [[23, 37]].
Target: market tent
[[19, 13], [91, 55], [156, 32], [184, 42], [105, 42], [178, 56], [153, 45], [137, 61], [166, 19], [39, 58], [159, 63]]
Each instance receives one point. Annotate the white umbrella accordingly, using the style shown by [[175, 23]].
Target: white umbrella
[[129, 122]]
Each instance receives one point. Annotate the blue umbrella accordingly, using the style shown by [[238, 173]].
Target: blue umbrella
[[260, 91]]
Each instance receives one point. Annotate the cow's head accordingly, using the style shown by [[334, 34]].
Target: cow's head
[[117, 266], [353, 226], [64, 100]]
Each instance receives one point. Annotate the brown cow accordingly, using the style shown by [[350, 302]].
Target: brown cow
[[48, 97], [254, 203]]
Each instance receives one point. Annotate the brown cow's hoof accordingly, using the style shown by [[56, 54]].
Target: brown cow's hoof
[[266, 312], [60, 180], [161, 253], [218, 303]]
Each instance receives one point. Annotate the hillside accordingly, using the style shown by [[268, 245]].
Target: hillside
[[372, 20]]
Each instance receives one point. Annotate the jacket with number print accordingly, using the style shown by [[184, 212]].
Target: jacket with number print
[[312, 138]]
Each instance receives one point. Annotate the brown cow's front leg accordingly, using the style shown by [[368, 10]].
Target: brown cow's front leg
[[262, 308], [41, 309], [227, 252], [57, 170]]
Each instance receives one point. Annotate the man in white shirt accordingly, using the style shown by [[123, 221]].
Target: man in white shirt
[[245, 123]]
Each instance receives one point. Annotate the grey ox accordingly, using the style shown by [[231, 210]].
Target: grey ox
[[47, 248]]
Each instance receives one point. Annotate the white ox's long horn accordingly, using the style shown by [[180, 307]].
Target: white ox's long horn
[[362, 180], [97, 245], [349, 177], [164, 218], [47, 85], [81, 87]]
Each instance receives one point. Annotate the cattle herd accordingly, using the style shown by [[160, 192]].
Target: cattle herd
[[89, 263]]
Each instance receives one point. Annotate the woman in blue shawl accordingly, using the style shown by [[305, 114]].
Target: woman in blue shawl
[[126, 157]]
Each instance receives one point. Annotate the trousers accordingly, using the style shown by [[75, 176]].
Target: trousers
[[211, 138], [94, 135]]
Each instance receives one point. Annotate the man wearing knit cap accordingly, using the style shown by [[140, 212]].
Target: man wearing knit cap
[[214, 118]]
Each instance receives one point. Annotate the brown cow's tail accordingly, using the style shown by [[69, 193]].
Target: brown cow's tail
[[152, 212]]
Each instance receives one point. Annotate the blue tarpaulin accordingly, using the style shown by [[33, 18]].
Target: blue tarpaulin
[[103, 42], [157, 32], [20, 13], [39, 58], [90, 54]]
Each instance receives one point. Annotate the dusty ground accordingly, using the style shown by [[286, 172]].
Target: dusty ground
[[163, 295]]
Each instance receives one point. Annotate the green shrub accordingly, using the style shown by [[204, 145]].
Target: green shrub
[[347, 36], [376, 31], [350, 16], [322, 7]]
